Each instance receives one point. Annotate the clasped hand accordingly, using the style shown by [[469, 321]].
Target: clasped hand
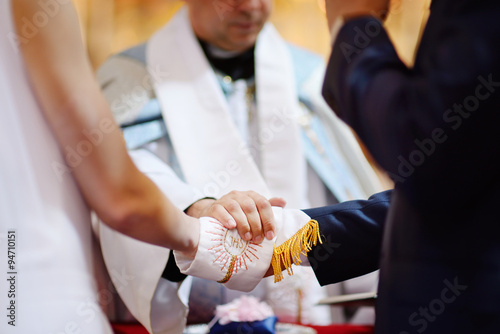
[[247, 211]]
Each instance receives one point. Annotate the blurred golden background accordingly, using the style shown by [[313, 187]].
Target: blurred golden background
[[113, 25]]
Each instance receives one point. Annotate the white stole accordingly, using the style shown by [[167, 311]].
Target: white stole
[[200, 127], [135, 267]]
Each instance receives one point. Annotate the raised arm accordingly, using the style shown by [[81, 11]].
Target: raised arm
[[415, 120], [72, 103]]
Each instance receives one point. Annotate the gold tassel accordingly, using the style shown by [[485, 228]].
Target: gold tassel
[[289, 251]]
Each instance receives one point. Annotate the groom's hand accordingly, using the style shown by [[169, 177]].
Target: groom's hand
[[248, 211]]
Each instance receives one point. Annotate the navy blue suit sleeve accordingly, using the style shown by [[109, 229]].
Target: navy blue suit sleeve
[[420, 123], [352, 236]]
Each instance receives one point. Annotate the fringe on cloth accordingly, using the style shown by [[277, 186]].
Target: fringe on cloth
[[288, 253]]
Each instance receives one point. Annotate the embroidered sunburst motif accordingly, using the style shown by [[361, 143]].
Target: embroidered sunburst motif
[[231, 250]]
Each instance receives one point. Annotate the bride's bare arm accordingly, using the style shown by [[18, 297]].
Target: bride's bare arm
[[63, 81]]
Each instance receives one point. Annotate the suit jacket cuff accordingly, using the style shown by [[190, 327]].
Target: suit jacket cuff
[[352, 236]]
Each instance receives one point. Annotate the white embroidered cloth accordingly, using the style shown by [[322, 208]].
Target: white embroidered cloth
[[224, 257]]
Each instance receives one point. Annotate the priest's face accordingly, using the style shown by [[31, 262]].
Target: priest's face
[[231, 25]]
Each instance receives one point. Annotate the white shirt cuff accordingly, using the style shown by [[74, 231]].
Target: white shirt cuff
[[334, 32]]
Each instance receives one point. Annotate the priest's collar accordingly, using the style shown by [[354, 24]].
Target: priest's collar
[[237, 65]]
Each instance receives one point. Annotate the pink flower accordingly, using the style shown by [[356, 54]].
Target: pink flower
[[243, 309]]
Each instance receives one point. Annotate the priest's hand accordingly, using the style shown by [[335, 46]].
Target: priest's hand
[[353, 8], [248, 211]]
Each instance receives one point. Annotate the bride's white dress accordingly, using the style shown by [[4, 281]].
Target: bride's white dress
[[42, 214]]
